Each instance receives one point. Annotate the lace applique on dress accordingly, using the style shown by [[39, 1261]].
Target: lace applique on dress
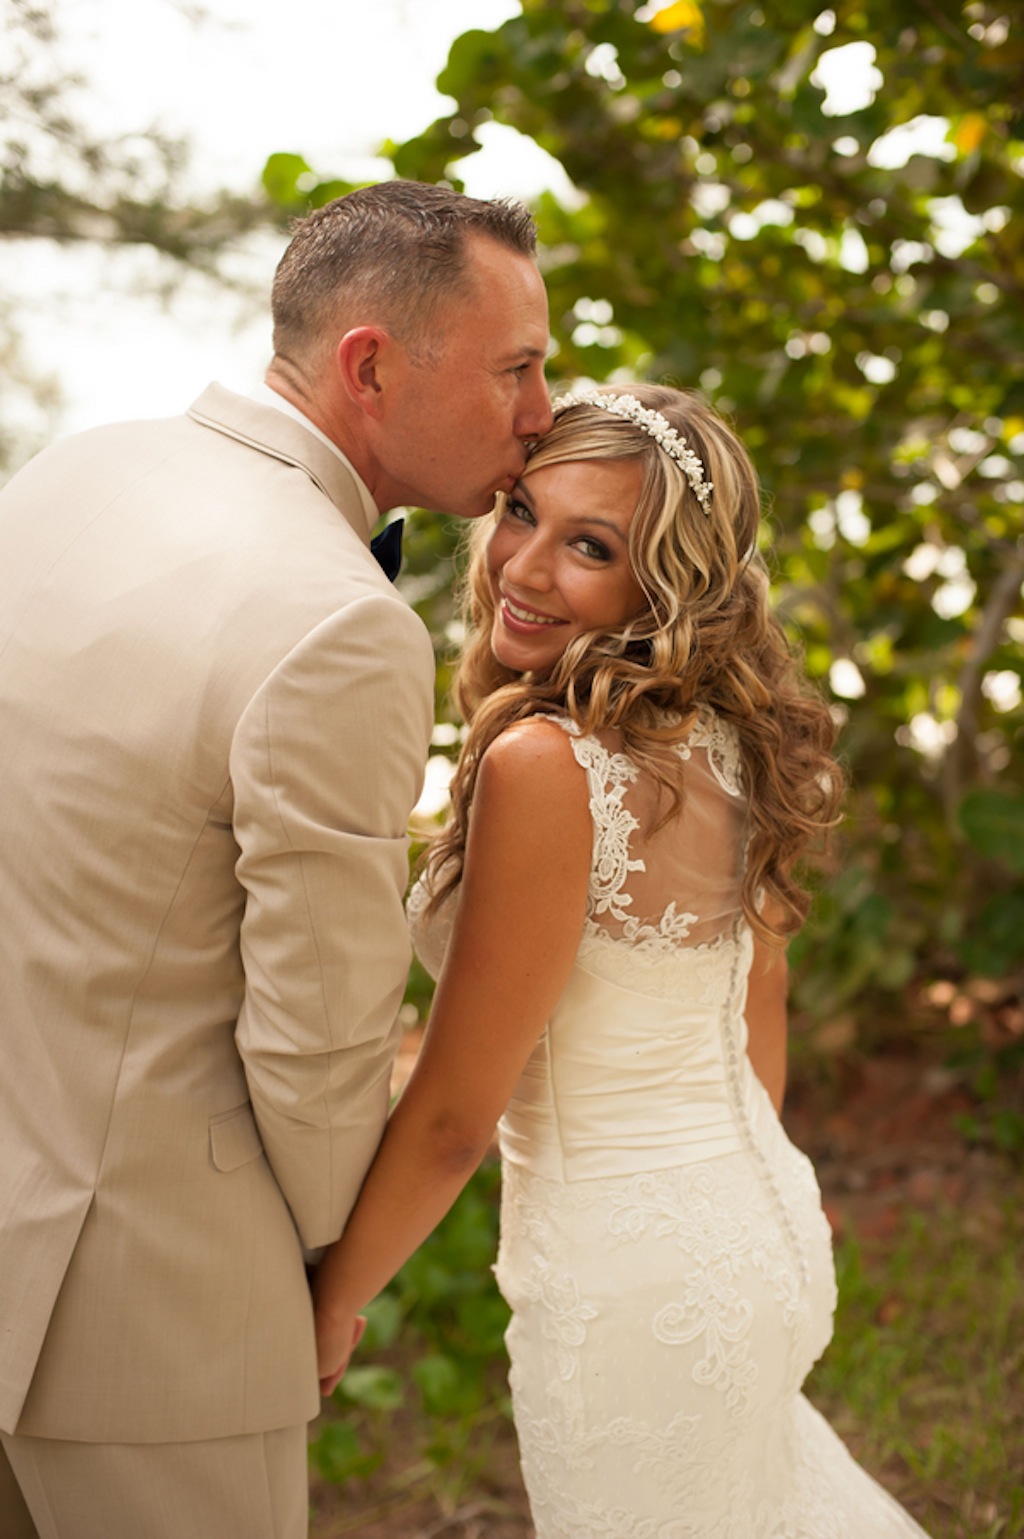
[[722, 746], [654, 1417], [431, 933], [609, 776]]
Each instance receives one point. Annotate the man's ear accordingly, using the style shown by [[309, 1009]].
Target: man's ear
[[362, 360]]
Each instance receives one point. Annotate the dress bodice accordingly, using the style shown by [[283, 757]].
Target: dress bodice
[[642, 1064]]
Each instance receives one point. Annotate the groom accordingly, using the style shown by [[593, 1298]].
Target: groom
[[214, 715]]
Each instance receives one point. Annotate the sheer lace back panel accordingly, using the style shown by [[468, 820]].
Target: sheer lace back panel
[[653, 892], [678, 885]]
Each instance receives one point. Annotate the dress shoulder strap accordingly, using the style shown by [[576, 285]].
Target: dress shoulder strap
[[609, 775]]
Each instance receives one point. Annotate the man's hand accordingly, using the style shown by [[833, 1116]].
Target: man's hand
[[336, 1339]]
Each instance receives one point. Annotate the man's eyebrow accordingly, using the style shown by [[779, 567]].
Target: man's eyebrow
[[525, 352]]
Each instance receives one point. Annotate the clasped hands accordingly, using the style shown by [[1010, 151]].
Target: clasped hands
[[338, 1333]]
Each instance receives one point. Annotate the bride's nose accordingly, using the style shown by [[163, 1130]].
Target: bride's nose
[[529, 566]]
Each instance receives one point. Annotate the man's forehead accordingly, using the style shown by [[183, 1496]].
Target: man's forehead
[[490, 263], [502, 312]]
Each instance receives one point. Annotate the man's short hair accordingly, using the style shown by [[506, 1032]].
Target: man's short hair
[[390, 254]]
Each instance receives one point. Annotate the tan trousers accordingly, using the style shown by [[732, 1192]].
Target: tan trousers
[[253, 1487]]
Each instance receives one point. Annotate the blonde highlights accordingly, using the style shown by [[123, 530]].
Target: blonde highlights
[[706, 637]]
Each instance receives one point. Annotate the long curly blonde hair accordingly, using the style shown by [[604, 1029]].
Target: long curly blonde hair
[[707, 637]]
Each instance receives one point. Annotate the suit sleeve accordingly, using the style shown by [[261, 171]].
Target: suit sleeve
[[327, 763]]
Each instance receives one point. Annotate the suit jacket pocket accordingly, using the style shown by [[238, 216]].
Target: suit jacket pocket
[[234, 1139]]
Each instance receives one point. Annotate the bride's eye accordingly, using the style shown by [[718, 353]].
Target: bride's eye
[[593, 548], [518, 510]]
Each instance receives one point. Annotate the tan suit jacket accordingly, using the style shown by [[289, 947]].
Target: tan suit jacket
[[214, 716]]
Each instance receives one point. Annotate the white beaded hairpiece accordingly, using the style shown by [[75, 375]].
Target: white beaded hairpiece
[[657, 427]]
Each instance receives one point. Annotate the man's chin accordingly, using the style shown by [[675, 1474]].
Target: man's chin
[[469, 506], [476, 509]]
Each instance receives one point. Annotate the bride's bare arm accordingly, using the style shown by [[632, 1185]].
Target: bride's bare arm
[[517, 928]]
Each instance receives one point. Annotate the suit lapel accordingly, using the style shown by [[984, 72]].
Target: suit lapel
[[272, 432]]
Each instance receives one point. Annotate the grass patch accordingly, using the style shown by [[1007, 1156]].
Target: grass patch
[[924, 1377]]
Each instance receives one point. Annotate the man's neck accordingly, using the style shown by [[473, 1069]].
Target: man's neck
[[293, 402], [294, 388]]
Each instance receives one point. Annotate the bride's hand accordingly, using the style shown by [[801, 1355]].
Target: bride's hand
[[336, 1339]]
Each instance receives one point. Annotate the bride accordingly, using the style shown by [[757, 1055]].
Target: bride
[[607, 910]]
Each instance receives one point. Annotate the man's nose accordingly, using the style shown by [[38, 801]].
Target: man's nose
[[534, 417]]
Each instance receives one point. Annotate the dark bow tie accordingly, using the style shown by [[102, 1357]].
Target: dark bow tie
[[387, 547]]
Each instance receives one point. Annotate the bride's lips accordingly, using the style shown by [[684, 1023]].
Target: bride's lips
[[524, 620]]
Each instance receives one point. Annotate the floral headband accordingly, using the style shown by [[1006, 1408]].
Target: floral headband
[[657, 427]]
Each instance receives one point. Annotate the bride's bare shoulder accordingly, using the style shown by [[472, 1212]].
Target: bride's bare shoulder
[[533, 759], [538, 739]]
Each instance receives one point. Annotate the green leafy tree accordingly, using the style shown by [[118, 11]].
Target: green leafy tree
[[855, 303]]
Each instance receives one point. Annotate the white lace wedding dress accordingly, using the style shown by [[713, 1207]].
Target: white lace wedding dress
[[663, 1246]]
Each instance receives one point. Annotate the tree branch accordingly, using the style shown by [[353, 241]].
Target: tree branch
[[1002, 601]]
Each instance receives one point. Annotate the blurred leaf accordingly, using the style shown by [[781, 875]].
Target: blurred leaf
[[378, 1389], [994, 945], [337, 1454], [679, 16], [994, 823], [384, 1317], [970, 132], [446, 1391], [282, 176]]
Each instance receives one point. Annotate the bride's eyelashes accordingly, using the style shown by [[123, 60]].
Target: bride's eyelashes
[[594, 548]]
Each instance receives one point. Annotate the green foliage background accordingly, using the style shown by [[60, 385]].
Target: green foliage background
[[862, 323]]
